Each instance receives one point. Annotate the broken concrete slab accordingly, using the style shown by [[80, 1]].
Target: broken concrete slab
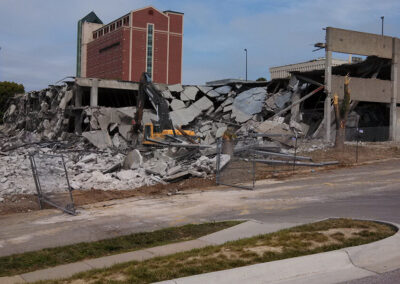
[[190, 92], [221, 131], [224, 90], [213, 94], [133, 160], [98, 138], [177, 104], [167, 94], [204, 89], [251, 101], [175, 88], [239, 115], [282, 98], [228, 108], [228, 101]]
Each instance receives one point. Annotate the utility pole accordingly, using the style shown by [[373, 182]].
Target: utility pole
[[382, 18], [246, 62]]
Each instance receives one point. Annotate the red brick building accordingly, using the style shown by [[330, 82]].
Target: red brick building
[[143, 40]]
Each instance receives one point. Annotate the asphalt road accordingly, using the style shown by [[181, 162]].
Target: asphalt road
[[392, 277], [366, 192]]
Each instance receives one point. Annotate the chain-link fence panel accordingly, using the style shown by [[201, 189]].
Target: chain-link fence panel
[[51, 180], [235, 163]]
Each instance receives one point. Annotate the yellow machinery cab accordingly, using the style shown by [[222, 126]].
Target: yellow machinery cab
[[154, 132]]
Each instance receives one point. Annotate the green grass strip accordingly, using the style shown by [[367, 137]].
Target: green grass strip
[[31, 261]]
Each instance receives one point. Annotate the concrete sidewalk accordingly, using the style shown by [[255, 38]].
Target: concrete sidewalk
[[244, 230], [329, 267]]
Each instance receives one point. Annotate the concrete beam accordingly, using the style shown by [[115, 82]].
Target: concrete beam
[[365, 90], [354, 42], [108, 84]]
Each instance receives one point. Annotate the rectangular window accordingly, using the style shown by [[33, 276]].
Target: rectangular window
[[94, 35], [149, 58]]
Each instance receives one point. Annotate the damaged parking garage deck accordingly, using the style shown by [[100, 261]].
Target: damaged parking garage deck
[[89, 120]]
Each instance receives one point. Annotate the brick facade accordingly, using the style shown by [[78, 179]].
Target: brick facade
[[120, 49]]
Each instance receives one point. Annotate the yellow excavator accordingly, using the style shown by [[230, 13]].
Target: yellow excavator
[[159, 131]]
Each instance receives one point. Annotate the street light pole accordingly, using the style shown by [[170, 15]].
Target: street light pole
[[382, 18], [246, 62]]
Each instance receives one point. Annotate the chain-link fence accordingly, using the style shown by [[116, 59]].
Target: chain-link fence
[[51, 180], [235, 163]]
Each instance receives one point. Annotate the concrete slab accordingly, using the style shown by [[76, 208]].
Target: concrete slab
[[98, 138], [177, 104], [190, 92], [107, 261], [178, 247], [12, 280], [213, 94], [244, 230], [380, 257], [204, 89], [335, 264], [57, 272], [175, 88], [223, 90]]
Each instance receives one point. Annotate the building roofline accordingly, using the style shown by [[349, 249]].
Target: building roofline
[[313, 60], [174, 12], [150, 6]]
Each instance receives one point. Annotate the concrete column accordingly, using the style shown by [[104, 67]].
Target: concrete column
[[94, 93], [395, 90], [78, 122], [328, 91], [78, 95], [295, 111]]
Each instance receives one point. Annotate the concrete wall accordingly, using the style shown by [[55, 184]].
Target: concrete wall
[[366, 90], [354, 42]]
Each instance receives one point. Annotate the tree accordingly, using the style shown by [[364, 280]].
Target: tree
[[261, 79], [7, 91], [341, 114]]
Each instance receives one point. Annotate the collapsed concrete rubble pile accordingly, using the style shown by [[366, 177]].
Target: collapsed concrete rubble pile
[[97, 141]]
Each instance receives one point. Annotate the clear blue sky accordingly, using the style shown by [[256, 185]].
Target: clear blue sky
[[38, 37]]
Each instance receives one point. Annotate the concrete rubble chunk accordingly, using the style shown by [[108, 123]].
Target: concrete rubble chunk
[[204, 89], [282, 98], [224, 90], [190, 92], [98, 138], [167, 94], [251, 101], [228, 101], [177, 104], [221, 131], [124, 130], [66, 99], [213, 94], [240, 116], [175, 88], [185, 116], [228, 108], [133, 160]]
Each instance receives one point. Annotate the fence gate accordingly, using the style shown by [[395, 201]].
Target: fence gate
[[51, 181], [240, 171]]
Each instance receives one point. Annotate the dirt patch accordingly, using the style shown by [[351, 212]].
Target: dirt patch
[[347, 158]]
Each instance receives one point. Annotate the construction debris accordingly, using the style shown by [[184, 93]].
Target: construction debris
[[101, 151]]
